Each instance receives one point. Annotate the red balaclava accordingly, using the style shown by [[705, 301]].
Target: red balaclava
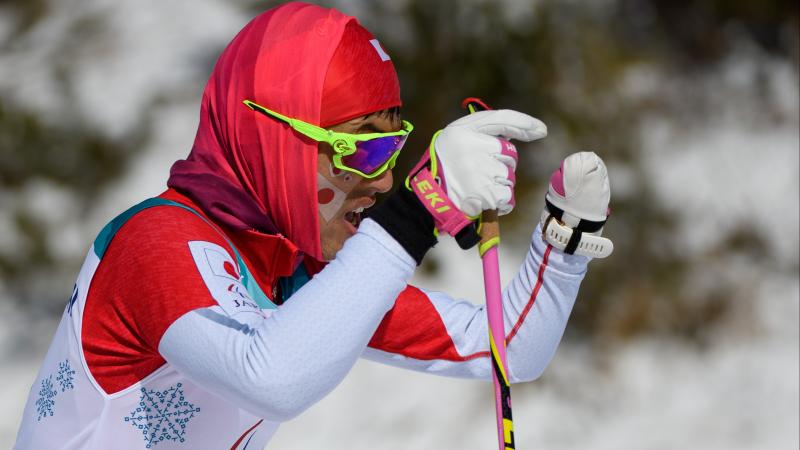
[[251, 172]]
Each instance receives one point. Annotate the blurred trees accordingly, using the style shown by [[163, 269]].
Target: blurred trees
[[565, 62], [71, 156], [54, 165]]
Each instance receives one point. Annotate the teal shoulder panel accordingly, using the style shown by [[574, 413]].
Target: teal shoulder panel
[[108, 232]]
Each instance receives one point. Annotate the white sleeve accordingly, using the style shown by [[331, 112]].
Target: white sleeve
[[277, 366], [536, 306]]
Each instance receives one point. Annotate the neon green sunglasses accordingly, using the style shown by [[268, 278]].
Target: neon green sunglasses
[[368, 155]]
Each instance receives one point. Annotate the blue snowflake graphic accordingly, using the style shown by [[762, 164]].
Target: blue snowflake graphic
[[45, 402], [66, 376], [162, 415]]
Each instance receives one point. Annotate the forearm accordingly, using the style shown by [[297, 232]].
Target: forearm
[[432, 332], [537, 305], [276, 367]]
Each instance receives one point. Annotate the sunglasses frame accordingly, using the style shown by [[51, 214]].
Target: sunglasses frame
[[343, 144]]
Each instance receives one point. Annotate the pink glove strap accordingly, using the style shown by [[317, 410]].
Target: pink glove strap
[[446, 215]]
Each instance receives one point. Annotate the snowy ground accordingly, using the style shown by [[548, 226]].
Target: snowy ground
[[740, 392]]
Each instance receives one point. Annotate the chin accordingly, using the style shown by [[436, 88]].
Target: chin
[[330, 249], [334, 240]]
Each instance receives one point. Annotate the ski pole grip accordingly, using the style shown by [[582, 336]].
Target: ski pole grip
[[490, 225], [490, 231]]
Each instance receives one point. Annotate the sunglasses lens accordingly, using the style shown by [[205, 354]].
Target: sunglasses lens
[[372, 154]]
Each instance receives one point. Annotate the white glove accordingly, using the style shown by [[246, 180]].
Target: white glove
[[478, 163], [577, 206]]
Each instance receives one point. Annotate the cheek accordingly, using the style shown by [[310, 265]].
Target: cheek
[[325, 196], [330, 198]]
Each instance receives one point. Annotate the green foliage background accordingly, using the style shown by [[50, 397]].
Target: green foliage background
[[563, 61]]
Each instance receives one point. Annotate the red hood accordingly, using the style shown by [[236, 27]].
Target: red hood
[[245, 170]]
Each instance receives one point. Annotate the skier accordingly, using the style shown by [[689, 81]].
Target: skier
[[242, 295]]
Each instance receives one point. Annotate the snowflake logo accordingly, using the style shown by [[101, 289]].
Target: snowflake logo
[[45, 402], [66, 376], [162, 415]]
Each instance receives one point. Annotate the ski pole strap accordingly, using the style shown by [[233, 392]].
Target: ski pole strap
[[445, 213], [583, 225], [430, 187]]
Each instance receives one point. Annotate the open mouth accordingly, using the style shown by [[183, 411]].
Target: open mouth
[[354, 217]]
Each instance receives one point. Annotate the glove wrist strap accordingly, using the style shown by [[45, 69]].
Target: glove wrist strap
[[446, 215], [574, 241], [586, 226], [431, 189]]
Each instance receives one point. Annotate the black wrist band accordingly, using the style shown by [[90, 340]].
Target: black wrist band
[[403, 216]]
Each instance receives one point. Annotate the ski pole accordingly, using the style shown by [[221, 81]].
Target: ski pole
[[489, 231]]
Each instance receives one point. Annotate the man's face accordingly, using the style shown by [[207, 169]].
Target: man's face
[[342, 195]]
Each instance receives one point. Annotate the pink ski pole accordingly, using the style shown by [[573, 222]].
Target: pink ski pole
[[490, 238]]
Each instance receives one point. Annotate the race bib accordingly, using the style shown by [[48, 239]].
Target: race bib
[[222, 278]]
